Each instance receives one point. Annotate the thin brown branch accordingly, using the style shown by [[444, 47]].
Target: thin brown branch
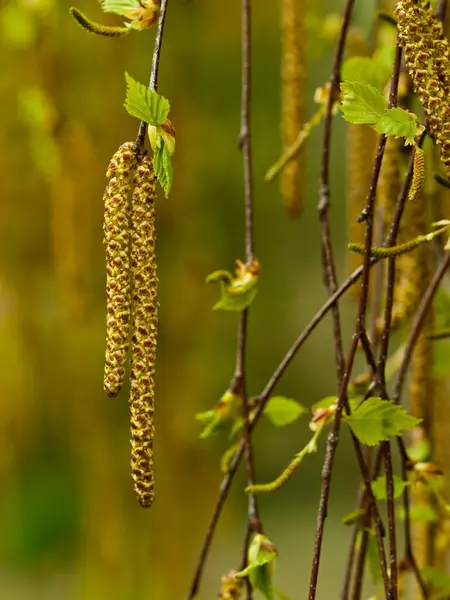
[[417, 325], [331, 284], [153, 85]]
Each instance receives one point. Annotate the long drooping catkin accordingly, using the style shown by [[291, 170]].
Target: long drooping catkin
[[145, 324], [293, 112], [427, 54], [118, 285]]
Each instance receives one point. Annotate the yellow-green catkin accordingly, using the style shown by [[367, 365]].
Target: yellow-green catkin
[[361, 143], [231, 587], [293, 110], [427, 55], [145, 325], [116, 228]]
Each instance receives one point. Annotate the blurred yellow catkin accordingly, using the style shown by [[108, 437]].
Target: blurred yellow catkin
[[293, 110], [361, 142], [118, 285], [145, 326]]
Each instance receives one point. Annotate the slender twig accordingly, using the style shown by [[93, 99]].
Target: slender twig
[[155, 66], [408, 538], [245, 144], [417, 325], [331, 284], [381, 367]]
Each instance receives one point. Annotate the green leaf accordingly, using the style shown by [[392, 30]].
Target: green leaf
[[162, 164], [376, 420], [436, 578], [362, 103], [364, 70], [261, 554], [325, 402], [234, 302], [379, 487], [119, 7], [355, 517], [399, 123], [420, 513], [373, 558], [420, 451], [283, 411], [145, 104], [227, 457]]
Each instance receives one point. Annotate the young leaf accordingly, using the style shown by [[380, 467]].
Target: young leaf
[[261, 554], [239, 292], [379, 487], [399, 123], [162, 163], [145, 104], [420, 512], [435, 577], [373, 558], [376, 420], [325, 403], [364, 70], [119, 7], [283, 411], [362, 103]]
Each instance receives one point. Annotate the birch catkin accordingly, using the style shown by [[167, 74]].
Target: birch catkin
[[145, 323], [293, 113], [118, 284]]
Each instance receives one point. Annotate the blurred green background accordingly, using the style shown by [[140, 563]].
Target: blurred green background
[[71, 527]]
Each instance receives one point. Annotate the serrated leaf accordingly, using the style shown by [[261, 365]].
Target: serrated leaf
[[379, 487], [119, 7], [283, 411], [364, 70], [145, 104], [399, 123], [362, 103], [376, 420]]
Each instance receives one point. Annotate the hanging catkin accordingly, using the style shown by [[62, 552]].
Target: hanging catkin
[[145, 324], [293, 112], [427, 54], [118, 284]]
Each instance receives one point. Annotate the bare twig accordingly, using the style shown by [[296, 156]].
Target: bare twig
[[155, 66], [245, 144], [331, 284], [418, 324]]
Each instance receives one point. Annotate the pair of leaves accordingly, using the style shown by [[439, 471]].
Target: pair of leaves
[[364, 103], [376, 420], [152, 108]]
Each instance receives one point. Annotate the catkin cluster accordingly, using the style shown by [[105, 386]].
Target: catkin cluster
[[118, 282], [132, 307], [145, 324], [427, 55]]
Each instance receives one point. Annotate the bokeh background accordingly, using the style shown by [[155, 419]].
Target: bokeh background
[[70, 526]]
